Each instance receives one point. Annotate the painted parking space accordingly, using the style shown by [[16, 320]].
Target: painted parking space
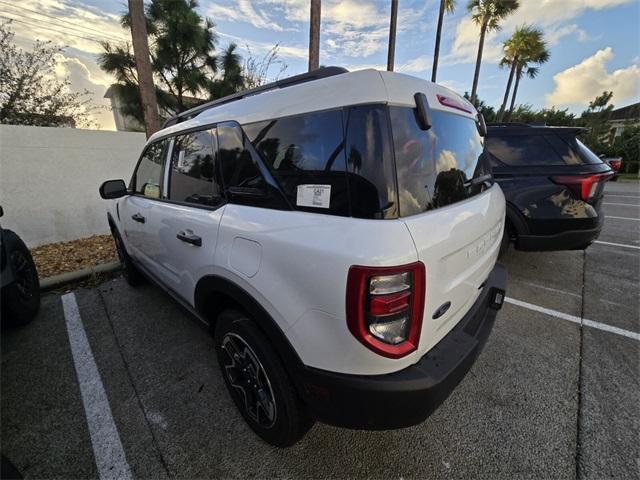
[[548, 397]]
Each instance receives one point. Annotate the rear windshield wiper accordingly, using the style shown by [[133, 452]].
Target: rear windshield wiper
[[487, 180]]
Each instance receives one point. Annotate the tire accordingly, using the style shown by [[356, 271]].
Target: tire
[[258, 382], [131, 274], [21, 298]]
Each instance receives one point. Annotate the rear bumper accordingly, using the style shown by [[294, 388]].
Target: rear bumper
[[569, 240], [407, 397]]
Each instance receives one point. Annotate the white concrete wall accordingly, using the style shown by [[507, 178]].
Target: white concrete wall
[[49, 179]]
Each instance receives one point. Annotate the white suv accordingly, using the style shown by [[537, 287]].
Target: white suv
[[339, 231]]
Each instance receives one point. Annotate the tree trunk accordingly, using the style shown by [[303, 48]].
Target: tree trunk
[[392, 35], [143, 66], [314, 35], [476, 74], [515, 92], [436, 51], [503, 107]]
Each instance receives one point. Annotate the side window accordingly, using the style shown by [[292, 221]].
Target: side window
[[194, 176], [370, 164], [523, 150], [147, 179], [239, 167], [303, 153]]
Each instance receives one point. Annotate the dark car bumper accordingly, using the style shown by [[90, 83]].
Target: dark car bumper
[[407, 397], [573, 240], [567, 240]]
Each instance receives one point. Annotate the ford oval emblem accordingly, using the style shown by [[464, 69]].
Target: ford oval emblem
[[442, 309]]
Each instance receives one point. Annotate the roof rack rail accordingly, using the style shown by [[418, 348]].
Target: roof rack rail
[[508, 124], [323, 72]]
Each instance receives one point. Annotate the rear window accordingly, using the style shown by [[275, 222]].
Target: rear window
[[434, 166], [586, 154], [536, 150]]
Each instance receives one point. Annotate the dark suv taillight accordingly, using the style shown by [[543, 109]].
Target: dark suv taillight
[[615, 164], [385, 307], [584, 186]]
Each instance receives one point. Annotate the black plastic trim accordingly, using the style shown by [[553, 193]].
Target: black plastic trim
[[568, 240], [407, 397], [208, 306]]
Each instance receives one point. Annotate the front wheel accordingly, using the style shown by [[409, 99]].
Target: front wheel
[[258, 382]]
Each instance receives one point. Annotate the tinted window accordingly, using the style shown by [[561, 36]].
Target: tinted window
[[193, 170], [305, 150], [586, 155], [239, 167], [528, 150], [370, 163], [434, 166], [147, 178], [246, 180]]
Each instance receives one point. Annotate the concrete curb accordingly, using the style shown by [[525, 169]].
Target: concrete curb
[[56, 281]]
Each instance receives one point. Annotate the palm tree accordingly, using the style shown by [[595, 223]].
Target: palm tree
[[535, 52], [314, 35], [232, 79], [514, 48], [393, 20], [487, 14], [448, 6]]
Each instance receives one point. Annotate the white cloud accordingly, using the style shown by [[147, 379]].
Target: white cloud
[[82, 78], [352, 28], [554, 34], [578, 85], [465, 44], [549, 12], [243, 11], [551, 15], [415, 65], [264, 47], [78, 29], [75, 27]]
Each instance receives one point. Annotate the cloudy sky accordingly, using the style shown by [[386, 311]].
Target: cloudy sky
[[594, 44]]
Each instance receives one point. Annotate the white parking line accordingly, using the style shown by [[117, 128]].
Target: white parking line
[[623, 218], [621, 204], [572, 318], [107, 448], [621, 196], [613, 244]]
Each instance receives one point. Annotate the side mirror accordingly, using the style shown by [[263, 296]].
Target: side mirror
[[113, 189], [482, 125], [422, 105]]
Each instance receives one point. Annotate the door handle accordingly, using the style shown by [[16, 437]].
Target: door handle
[[189, 238], [138, 218]]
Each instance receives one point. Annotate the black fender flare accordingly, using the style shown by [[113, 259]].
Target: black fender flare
[[516, 219], [111, 222], [214, 293]]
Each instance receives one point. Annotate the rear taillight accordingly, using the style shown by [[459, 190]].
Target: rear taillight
[[615, 164], [584, 186], [385, 307]]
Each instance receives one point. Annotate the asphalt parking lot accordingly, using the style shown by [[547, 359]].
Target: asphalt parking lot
[[555, 393]]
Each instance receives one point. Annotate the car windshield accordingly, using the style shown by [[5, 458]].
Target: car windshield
[[434, 167]]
